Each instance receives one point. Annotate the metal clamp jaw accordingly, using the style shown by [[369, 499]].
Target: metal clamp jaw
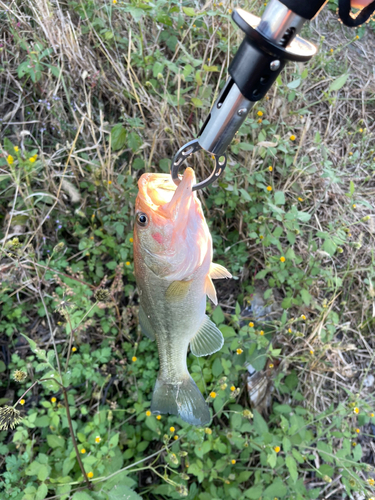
[[269, 43]]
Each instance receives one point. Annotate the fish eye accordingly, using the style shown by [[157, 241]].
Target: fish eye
[[142, 219]]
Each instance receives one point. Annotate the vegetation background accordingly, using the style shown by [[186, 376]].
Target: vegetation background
[[94, 93]]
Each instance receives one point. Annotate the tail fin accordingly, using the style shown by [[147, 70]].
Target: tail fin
[[183, 399]]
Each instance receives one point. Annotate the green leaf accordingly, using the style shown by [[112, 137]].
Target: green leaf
[[134, 141], [271, 459], [329, 246], [212, 69], [42, 492], [276, 489], [55, 441], [217, 367], [189, 11], [43, 472], [357, 452], [81, 495], [292, 467], [279, 198], [254, 492], [138, 163], [122, 492], [163, 17], [197, 102], [218, 315], [352, 188], [306, 297], [118, 137], [338, 83], [260, 425]]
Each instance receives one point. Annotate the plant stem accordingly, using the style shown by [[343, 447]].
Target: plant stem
[[89, 485]]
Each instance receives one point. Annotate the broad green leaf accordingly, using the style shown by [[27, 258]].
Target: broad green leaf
[[188, 11], [55, 441], [338, 83], [81, 495], [197, 102], [255, 492], [163, 17], [123, 492], [42, 492], [276, 489], [118, 137], [292, 467], [279, 198], [306, 297], [260, 425], [211, 69]]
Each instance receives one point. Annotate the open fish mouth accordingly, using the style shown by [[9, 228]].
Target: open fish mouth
[[160, 194]]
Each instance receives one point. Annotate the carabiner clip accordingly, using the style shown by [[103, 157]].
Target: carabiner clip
[[187, 150]]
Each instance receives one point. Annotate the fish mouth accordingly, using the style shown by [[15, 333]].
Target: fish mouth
[[159, 193]]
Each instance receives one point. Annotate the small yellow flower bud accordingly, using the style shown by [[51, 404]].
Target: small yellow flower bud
[[148, 413], [277, 449], [282, 259], [213, 394], [90, 475]]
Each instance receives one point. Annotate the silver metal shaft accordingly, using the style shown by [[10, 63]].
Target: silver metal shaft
[[229, 111]]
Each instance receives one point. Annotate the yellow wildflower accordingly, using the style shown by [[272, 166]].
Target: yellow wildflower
[[271, 365], [292, 137], [213, 394], [10, 159], [261, 237], [232, 388], [277, 449], [127, 263], [269, 188], [207, 430], [251, 324], [303, 317], [90, 475], [131, 240], [260, 113], [270, 168], [172, 429], [357, 431], [300, 199], [32, 159], [175, 437], [371, 481], [354, 205], [22, 402], [148, 413], [158, 417], [98, 439], [53, 400], [83, 451], [239, 351], [134, 359], [356, 410], [16, 149], [261, 332], [74, 349], [282, 259], [233, 461]]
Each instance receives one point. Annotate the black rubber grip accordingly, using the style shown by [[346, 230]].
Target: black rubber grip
[[360, 18], [303, 8]]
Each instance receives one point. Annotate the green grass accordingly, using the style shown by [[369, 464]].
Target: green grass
[[93, 94]]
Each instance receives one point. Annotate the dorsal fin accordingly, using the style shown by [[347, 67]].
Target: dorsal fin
[[210, 289], [207, 340], [218, 272]]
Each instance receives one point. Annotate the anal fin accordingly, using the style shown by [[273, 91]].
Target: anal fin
[[207, 340], [218, 272], [145, 324]]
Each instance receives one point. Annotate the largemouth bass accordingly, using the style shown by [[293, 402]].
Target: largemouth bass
[[174, 271]]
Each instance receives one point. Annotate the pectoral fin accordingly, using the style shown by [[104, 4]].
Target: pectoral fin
[[207, 340], [219, 272], [210, 290], [145, 324], [178, 290]]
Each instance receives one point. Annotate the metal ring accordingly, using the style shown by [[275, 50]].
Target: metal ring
[[187, 150]]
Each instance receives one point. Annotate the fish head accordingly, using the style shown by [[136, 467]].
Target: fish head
[[170, 232]]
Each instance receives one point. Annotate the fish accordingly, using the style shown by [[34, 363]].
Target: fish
[[174, 271]]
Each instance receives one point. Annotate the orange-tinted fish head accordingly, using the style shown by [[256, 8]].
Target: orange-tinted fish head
[[170, 231]]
